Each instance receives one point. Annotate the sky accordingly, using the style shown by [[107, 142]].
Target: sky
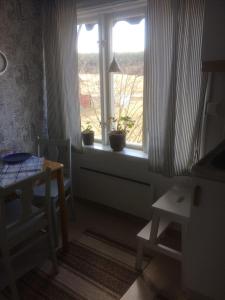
[[126, 38]]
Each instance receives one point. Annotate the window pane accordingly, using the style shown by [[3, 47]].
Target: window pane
[[89, 79], [127, 88]]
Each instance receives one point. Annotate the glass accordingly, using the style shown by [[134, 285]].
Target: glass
[[127, 88], [89, 77]]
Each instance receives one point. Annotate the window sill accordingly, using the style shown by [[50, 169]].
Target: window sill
[[125, 152]]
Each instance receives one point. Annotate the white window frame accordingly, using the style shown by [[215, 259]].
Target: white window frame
[[104, 19]]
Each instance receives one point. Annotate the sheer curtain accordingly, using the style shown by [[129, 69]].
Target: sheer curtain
[[173, 83], [59, 38]]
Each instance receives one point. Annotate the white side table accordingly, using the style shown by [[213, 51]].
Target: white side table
[[174, 206]]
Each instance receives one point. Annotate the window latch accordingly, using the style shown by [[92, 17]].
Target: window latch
[[102, 43]]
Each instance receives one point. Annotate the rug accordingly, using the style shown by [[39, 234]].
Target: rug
[[94, 268]]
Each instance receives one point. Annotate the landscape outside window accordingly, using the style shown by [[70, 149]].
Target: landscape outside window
[[89, 77], [127, 87]]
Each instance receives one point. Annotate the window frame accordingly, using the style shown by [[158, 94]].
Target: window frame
[[105, 20]]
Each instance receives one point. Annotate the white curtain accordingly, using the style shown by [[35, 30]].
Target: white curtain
[[173, 80], [61, 75]]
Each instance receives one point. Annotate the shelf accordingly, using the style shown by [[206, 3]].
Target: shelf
[[213, 66], [144, 234]]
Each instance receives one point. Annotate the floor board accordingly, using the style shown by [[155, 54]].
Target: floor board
[[162, 275]]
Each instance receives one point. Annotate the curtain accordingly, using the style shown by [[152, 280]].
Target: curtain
[[173, 83], [61, 75]]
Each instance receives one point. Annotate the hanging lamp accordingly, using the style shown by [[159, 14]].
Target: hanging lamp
[[114, 66]]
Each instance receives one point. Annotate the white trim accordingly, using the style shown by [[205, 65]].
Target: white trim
[[135, 146], [125, 152], [205, 116], [103, 79], [104, 16], [145, 96], [110, 111]]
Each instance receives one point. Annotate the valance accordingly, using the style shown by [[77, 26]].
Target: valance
[[93, 3], [131, 20]]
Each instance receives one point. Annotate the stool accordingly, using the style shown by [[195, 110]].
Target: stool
[[174, 206]]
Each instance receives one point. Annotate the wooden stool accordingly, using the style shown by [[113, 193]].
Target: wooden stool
[[174, 206]]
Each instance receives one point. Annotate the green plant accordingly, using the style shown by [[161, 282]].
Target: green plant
[[88, 127], [123, 124]]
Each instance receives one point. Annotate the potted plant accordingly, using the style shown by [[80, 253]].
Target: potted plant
[[88, 134], [119, 128]]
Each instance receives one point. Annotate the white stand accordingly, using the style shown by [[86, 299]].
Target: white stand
[[174, 206]]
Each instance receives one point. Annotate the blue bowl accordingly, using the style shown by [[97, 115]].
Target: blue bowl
[[16, 157]]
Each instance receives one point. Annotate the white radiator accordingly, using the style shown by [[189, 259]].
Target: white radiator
[[123, 193]]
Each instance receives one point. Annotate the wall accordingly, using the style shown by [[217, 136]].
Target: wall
[[21, 94], [214, 30], [205, 234], [204, 255], [214, 49]]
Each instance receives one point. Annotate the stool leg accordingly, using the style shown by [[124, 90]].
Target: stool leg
[[72, 205], [183, 249], [154, 229], [139, 256]]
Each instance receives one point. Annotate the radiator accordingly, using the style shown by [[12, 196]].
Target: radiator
[[123, 193]]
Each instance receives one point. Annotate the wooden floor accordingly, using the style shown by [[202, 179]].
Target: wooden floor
[[162, 275], [116, 225], [160, 280]]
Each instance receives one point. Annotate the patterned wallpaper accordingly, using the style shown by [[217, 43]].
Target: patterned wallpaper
[[22, 108]]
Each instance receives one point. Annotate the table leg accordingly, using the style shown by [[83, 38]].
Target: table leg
[[63, 211], [139, 257]]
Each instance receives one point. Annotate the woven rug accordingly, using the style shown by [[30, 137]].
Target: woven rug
[[94, 268]]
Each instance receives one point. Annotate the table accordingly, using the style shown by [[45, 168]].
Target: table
[[57, 172], [14, 173]]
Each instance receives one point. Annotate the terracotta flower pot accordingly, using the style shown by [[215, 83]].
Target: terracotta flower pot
[[117, 140], [88, 137]]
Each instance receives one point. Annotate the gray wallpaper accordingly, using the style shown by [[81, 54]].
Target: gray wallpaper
[[22, 109]]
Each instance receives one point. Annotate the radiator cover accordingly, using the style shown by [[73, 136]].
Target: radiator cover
[[123, 193]]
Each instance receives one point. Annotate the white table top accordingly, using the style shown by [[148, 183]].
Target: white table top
[[176, 202]]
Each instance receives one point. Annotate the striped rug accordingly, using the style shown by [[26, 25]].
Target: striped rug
[[94, 268]]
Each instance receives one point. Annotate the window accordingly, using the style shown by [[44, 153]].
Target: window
[[104, 94], [89, 78], [127, 91]]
